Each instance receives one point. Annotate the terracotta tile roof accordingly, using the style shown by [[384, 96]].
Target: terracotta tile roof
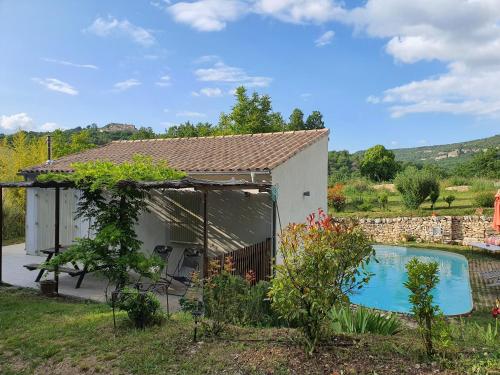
[[247, 152]]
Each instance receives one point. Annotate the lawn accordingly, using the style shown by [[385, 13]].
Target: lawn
[[62, 336], [464, 204]]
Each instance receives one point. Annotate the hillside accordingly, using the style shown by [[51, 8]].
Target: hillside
[[446, 155]]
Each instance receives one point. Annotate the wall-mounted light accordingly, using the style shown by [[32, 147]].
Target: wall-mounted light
[[307, 193]]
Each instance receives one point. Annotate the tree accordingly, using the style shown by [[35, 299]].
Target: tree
[[483, 164], [422, 279], [415, 186], [379, 164], [315, 121], [144, 133], [296, 120], [250, 114], [434, 194], [449, 199], [323, 263]]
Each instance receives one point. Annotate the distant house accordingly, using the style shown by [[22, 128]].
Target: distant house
[[294, 163], [116, 127]]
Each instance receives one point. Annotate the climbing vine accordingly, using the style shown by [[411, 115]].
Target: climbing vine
[[112, 206]]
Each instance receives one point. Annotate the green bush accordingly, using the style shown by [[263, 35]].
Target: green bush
[[363, 320], [383, 200], [143, 308], [422, 279], [415, 186], [434, 195], [484, 199], [231, 299], [450, 198], [323, 263]]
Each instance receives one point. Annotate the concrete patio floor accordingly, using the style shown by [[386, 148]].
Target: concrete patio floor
[[92, 288]]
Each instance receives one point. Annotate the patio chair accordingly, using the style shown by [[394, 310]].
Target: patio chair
[[188, 263]]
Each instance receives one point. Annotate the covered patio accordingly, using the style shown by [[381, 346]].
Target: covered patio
[[256, 257]]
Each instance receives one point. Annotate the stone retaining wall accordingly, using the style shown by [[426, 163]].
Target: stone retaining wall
[[442, 229]]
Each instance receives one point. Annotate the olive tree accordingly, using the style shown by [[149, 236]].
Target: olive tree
[[415, 186]]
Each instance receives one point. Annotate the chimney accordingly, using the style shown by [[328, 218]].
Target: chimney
[[49, 149]]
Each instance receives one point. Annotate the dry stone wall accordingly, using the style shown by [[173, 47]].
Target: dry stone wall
[[441, 229]]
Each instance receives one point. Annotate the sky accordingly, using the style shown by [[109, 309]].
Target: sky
[[393, 72]]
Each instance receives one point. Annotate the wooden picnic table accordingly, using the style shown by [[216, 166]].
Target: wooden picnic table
[[73, 272]]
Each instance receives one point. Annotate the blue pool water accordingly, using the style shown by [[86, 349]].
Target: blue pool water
[[386, 291]]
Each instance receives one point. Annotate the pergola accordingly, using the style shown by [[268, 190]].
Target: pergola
[[186, 183]]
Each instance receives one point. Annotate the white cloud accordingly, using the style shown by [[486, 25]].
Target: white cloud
[[21, 121], [213, 15], [208, 15], [49, 126], [299, 11], [465, 35], [18, 121], [111, 26], [205, 59], [54, 84], [221, 72], [127, 84], [164, 81], [211, 92], [325, 39], [68, 63], [190, 114]]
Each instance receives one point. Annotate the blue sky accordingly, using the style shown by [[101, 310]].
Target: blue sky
[[380, 71]]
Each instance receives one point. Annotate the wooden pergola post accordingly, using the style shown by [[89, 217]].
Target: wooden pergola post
[[205, 234], [56, 235]]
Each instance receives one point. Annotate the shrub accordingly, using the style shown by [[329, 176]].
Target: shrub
[[336, 197], [449, 199], [383, 199], [323, 263], [484, 199], [366, 205], [363, 320], [415, 186], [143, 308], [422, 279], [231, 299], [434, 195]]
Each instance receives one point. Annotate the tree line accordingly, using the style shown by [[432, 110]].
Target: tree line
[[379, 164]]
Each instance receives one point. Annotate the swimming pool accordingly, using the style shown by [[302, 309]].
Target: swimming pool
[[386, 291]]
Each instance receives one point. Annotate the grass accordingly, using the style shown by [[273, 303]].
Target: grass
[[12, 241], [41, 335]]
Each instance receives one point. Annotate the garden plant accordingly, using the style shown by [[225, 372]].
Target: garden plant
[[323, 263]]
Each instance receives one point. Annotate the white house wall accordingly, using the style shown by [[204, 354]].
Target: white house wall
[[237, 219], [40, 204], [307, 171]]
